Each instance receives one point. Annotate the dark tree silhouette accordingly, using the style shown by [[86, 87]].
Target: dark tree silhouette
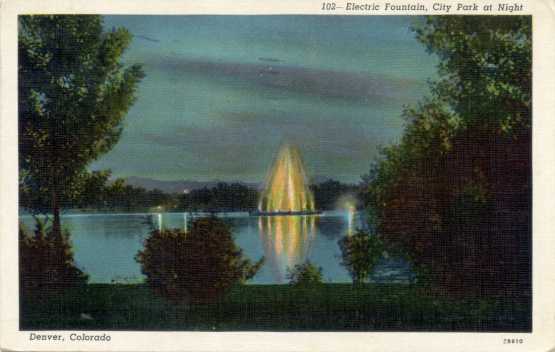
[[305, 274], [360, 253], [454, 195], [196, 266], [46, 264]]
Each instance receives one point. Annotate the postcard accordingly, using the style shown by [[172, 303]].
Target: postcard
[[277, 176]]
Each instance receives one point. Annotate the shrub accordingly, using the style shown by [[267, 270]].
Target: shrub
[[305, 274], [46, 263], [360, 254], [196, 266]]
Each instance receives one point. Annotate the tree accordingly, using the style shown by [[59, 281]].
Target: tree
[[306, 274], [73, 96], [360, 253], [454, 195], [196, 266], [46, 264]]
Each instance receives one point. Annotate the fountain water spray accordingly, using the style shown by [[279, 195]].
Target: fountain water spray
[[286, 188]]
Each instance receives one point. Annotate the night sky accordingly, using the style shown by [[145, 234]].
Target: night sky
[[222, 93]]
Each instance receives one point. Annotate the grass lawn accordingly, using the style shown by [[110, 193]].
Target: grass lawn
[[329, 307]]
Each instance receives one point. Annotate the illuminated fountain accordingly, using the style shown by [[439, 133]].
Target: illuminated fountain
[[286, 229], [286, 190]]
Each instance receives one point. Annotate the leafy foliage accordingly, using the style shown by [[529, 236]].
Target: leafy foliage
[[199, 265], [46, 264], [360, 253], [73, 96], [306, 274], [454, 194]]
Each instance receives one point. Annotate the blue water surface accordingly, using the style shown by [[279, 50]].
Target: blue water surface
[[105, 245]]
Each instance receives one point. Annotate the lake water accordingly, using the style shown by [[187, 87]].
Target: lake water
[[105, 244]]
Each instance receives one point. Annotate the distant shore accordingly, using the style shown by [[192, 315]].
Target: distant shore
[[146, 213]]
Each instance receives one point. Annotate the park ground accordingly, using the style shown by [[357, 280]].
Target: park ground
[[327, 307]]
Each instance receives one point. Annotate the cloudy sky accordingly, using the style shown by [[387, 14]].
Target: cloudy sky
[[222, 92]]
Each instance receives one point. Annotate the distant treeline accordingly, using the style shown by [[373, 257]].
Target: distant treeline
[[223, 197], [328, 193], [123, 197], [239, 197]]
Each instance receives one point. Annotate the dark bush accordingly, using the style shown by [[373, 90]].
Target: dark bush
[[46, 265], [195, 266], [360, 254], [306, 274]]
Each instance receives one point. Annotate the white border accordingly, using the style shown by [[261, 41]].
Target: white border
[[541, 339]]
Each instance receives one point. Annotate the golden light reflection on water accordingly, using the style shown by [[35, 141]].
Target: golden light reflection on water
[[287, 241]]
